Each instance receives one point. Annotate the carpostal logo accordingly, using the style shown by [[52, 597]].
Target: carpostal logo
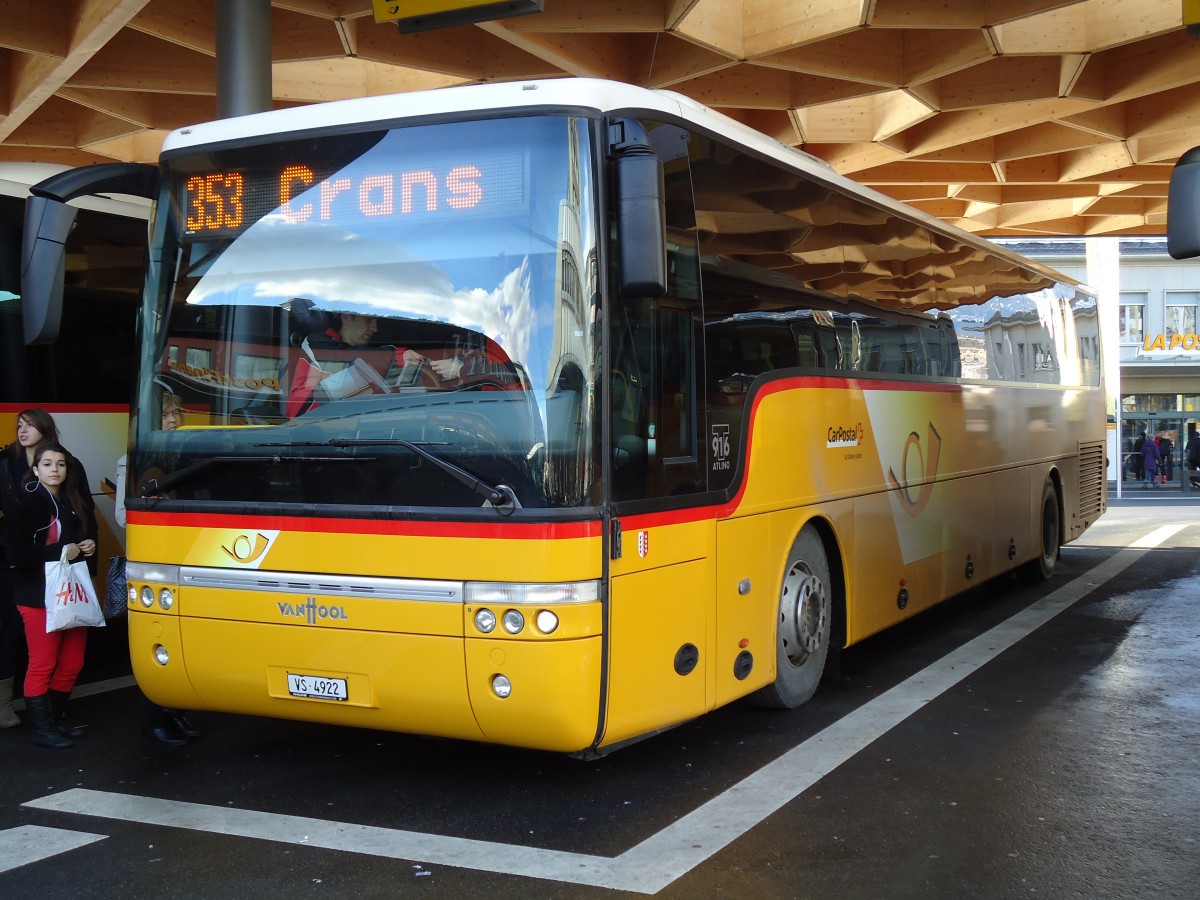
[[311, 611], [845, 436]]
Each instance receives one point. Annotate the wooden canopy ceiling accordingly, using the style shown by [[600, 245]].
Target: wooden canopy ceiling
[[1005, 117]]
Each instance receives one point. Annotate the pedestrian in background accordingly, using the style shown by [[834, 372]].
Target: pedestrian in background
[[34, 427], [49, 520], [1150, 459]]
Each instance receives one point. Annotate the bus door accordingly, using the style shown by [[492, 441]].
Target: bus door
[[661, 594]]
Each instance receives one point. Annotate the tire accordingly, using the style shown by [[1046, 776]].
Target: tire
[[1042, 567], [803, 626]]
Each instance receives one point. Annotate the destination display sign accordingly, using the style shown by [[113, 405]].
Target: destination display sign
[[223, 203]]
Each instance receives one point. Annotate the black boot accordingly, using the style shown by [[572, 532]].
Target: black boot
[[168, 737], [181, 724], [58, 704], [45, 731]]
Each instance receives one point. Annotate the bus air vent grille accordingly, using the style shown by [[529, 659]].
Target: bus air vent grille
[[1091, 480]]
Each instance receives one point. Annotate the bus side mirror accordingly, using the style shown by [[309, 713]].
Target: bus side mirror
[[1183, 207], [48, 221], [43, 262], [641, 221]]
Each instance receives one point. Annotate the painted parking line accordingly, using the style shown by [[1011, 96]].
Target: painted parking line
[[662, 858], [31, 843]]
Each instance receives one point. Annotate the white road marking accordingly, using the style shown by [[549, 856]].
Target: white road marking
[[659, 860], [30, 843]]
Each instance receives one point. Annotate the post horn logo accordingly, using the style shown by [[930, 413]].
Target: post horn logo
[[246, 550], [926, 464]]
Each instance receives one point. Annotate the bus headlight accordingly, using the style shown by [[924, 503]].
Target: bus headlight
[[147, 596], [161, 656], [513, 622], [485, 620], [547, 622], [166, 599], [501, 686]]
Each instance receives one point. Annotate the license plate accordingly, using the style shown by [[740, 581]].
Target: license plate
[[317, 687]]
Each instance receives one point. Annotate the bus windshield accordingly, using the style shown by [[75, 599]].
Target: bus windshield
[[375, 319]]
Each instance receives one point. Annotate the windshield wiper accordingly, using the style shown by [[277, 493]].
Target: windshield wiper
[[501, 496], [158, 486]]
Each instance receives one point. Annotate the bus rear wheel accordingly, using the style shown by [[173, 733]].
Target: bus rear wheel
[[803, 625], [1043, 565]]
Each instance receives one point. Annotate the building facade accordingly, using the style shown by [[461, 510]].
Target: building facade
[[1158, 344]]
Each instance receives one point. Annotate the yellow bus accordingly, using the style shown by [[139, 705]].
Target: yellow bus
[[83, 374], [555, 414]]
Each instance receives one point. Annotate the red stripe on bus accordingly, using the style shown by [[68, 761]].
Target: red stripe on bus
[[527, 531], [59, 408]]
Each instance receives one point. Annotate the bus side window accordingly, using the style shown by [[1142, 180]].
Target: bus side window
[[808, 353]]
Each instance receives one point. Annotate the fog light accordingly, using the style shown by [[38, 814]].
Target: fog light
[[547, 622], [513, 622], [161, 656], [147, 596], [501, 686], [166, 599], [485, 620]]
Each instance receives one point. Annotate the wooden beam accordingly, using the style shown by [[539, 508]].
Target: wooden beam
[[770, 26], [588, 16], [1037, 140], [980, 151], [921, 172], [1150, 66], [144, 147], [619, 57], [295, 36], [39, 28], [344, 79], [928, 14], [134, 61], [467, 52], [713, 24], [1002, 80], [182, 22], [94, 127], [1055, 31], [1166, 148], [948, 129], [852, 158], [94, 22], [775, 123], [1093, 161], [1106, 121], [327, 9], [1168, 111], [875, 56], [61, 155], [930, 55], [674, 60]]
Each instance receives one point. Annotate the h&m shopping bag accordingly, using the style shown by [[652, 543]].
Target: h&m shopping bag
[[70, 598]]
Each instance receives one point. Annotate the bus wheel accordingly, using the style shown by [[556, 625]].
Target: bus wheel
[[1041, 568], [802, 639]]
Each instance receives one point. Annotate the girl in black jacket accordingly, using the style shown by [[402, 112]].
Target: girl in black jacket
[[34, 427], [49, 516]]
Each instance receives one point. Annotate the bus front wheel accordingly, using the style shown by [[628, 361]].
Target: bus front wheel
[[803, 625], [1041, 567]]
